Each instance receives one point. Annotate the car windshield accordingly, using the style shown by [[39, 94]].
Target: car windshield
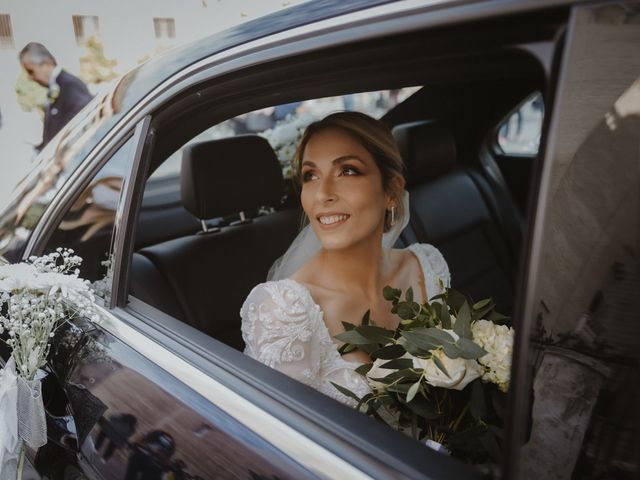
[[23, 207]]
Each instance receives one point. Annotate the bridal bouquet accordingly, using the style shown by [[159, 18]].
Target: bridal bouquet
[[441, 375], [35, 299]]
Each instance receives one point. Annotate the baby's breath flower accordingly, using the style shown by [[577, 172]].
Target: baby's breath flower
[[38, 295]]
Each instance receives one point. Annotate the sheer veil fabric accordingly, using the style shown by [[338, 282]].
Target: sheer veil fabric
[[307, 244]]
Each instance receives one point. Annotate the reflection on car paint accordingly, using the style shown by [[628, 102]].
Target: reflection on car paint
[[140, 430]]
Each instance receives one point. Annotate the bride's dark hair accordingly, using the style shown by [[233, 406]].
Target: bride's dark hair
[[376, 138]]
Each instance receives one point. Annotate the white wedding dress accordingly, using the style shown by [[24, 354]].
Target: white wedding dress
[[284, 328]]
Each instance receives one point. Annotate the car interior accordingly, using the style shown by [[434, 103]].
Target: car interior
[[208, 234]]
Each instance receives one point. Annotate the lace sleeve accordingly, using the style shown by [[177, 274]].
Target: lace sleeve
[[279, 327], [434, 267]]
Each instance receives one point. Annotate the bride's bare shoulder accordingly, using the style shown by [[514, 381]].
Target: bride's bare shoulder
[[307, 274]]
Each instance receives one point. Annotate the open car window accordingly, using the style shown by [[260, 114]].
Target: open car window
[[281, 125]]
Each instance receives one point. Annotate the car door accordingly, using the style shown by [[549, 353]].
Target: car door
[[575, 376], [112, 412]]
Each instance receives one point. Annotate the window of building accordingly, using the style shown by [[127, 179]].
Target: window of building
[[165, 30], [85, 27], [6, 33]]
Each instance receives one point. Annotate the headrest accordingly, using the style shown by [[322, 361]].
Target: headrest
[[231, 175], [427, 148]]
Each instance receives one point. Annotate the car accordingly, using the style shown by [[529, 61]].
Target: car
[[518, 122]]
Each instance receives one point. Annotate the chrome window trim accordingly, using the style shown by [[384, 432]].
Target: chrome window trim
[[405, 16], [122, 223], [301, 449]]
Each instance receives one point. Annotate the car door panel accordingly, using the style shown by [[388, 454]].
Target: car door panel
[[135, 420]]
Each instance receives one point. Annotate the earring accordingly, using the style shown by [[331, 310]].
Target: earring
[[393, 216]]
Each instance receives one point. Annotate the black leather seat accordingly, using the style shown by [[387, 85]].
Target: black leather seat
[[210, 274], [456, 209]]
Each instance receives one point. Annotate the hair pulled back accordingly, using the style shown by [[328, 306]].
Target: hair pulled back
[[376, 138]]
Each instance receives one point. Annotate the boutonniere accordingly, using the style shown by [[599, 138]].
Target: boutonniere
[[54, 93]]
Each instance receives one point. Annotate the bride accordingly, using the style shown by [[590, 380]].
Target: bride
[[353, 196]]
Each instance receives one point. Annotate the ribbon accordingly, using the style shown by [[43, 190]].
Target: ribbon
[[9, 440], [22, 418]]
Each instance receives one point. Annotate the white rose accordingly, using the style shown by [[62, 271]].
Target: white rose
[[461, 371], [497, 340]]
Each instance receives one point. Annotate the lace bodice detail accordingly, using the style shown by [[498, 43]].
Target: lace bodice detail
[[284, 328]]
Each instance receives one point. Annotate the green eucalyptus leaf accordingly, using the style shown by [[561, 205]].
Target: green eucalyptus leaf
[[463, 322], [469, 349], [433, 336], [346, 348], [389, 352], [415, 350], [346, 391], [386, 380], [366, 317], [413, 390], [455, 299], [482, 313], [407, 375], [441, 296], [481, 304], [406, 311], [398, 364], [440, 365], [348, 326], [452, 350], [369, 348], [409, 295], [375, 334], [354, 337], [420, 339], [364, 368], [442, 313], [391, 294], [401, 388], [497, 318]]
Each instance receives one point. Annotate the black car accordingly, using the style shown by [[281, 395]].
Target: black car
[[519, 123]]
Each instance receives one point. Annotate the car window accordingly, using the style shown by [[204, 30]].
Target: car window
[[282, 125], [519, 133], [88, 225], [21, 211], [583, 420]]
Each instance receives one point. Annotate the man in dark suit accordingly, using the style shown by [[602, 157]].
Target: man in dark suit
[[66, 93]]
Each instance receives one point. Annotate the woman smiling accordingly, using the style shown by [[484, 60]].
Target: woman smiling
[[352, 192]]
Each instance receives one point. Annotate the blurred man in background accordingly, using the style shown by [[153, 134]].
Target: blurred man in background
[[66, 94]]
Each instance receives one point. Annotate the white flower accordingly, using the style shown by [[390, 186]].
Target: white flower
[[17, 276], [37, 296], [497, 340], [461, 371]]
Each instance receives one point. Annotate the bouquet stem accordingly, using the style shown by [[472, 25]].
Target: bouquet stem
[[21, 461]]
